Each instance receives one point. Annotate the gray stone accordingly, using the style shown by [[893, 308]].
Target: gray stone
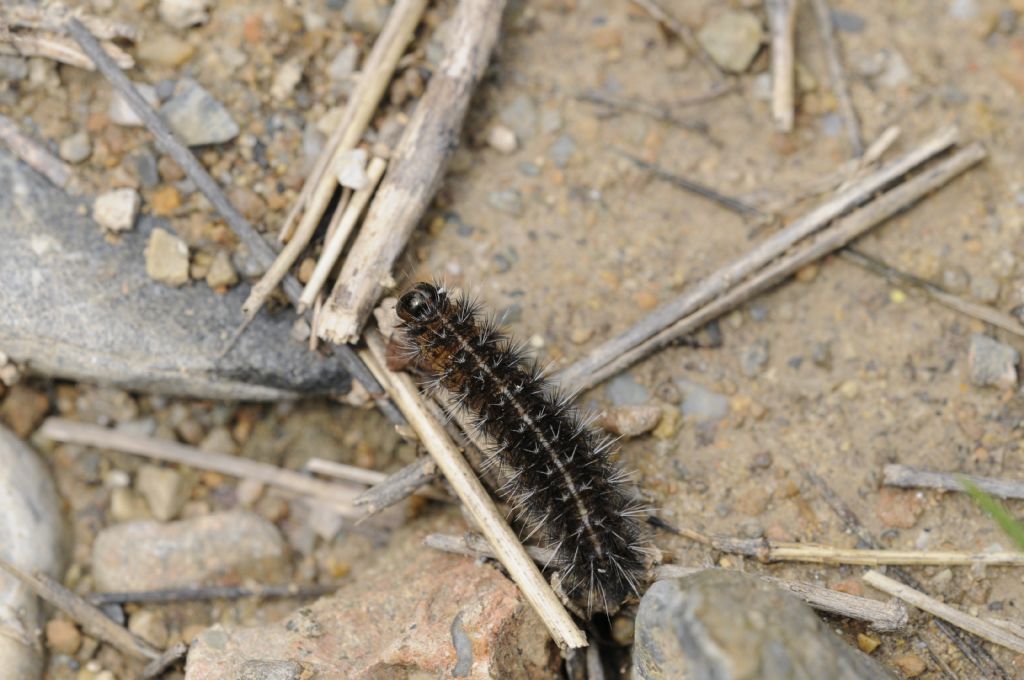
[[146, 167], [197, 117], [31, 533], [728, 625], [895, 71], [520, 115], [963, 9], [562, 150], [848, 22], [75, 148], [701, 404], [732, 39], [753, 358], [155, 338], [270, 670], [623, 390], [214, 549], [991, 363], [508, 201]]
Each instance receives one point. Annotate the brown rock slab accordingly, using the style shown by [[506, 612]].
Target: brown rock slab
[[218, 549], [23, 409], [418, 616]]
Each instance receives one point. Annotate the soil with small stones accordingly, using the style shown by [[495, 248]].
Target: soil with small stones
[[837, 372]]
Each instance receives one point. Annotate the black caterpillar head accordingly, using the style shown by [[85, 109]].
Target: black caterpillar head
[[421, 305]]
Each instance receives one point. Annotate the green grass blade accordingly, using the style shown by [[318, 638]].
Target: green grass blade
[[1013, 528]]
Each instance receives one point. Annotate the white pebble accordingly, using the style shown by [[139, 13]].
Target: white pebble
[[116, 210], [122, 114], [501, 138]]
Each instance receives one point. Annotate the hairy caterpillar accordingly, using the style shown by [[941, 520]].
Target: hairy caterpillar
[[557, 474]]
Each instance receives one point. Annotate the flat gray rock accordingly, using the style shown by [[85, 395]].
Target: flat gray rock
[[724, 625], [80, 308]]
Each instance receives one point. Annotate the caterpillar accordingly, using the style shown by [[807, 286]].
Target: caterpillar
[[557, 476]]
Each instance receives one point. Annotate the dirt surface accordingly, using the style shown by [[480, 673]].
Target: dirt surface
[[838, 372]]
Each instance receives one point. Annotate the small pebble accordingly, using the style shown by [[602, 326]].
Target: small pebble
[[821, 355], [197, 117], [62, 636], [286, 78], [365, 16], [248, 492], [753, 358], [165, 490], [899, 508], [732, 39], [76, 148], [911, 665], [121, 113], [183, 14], [166, 258], [149, 626], [991, 363], [580, 335], [222, 273], [631, 421], [164, 50], [23, 409], [344, 63], [502, 139], [645, 300], [508, 201], [127, 506], [520, 115], [867, 643], [165, 201], [351, 169], [562, 150], [116, 210]]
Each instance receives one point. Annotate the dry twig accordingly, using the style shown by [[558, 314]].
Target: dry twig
[[33, 154], [972, 624], [92, 620], [415, 172], [837, 75], [782, 26], [908, 477], [334, 495], [212, 593], [481, 508], [981, 312]]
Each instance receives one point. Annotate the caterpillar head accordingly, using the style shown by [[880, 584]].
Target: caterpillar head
[[421, 305]]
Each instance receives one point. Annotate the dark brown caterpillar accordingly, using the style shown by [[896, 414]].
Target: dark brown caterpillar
[[557, 474]]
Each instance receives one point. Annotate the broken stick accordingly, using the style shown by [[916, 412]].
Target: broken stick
[[782, 26], [908, 477]]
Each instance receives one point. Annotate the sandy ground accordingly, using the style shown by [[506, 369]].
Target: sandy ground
[[857, 373]]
